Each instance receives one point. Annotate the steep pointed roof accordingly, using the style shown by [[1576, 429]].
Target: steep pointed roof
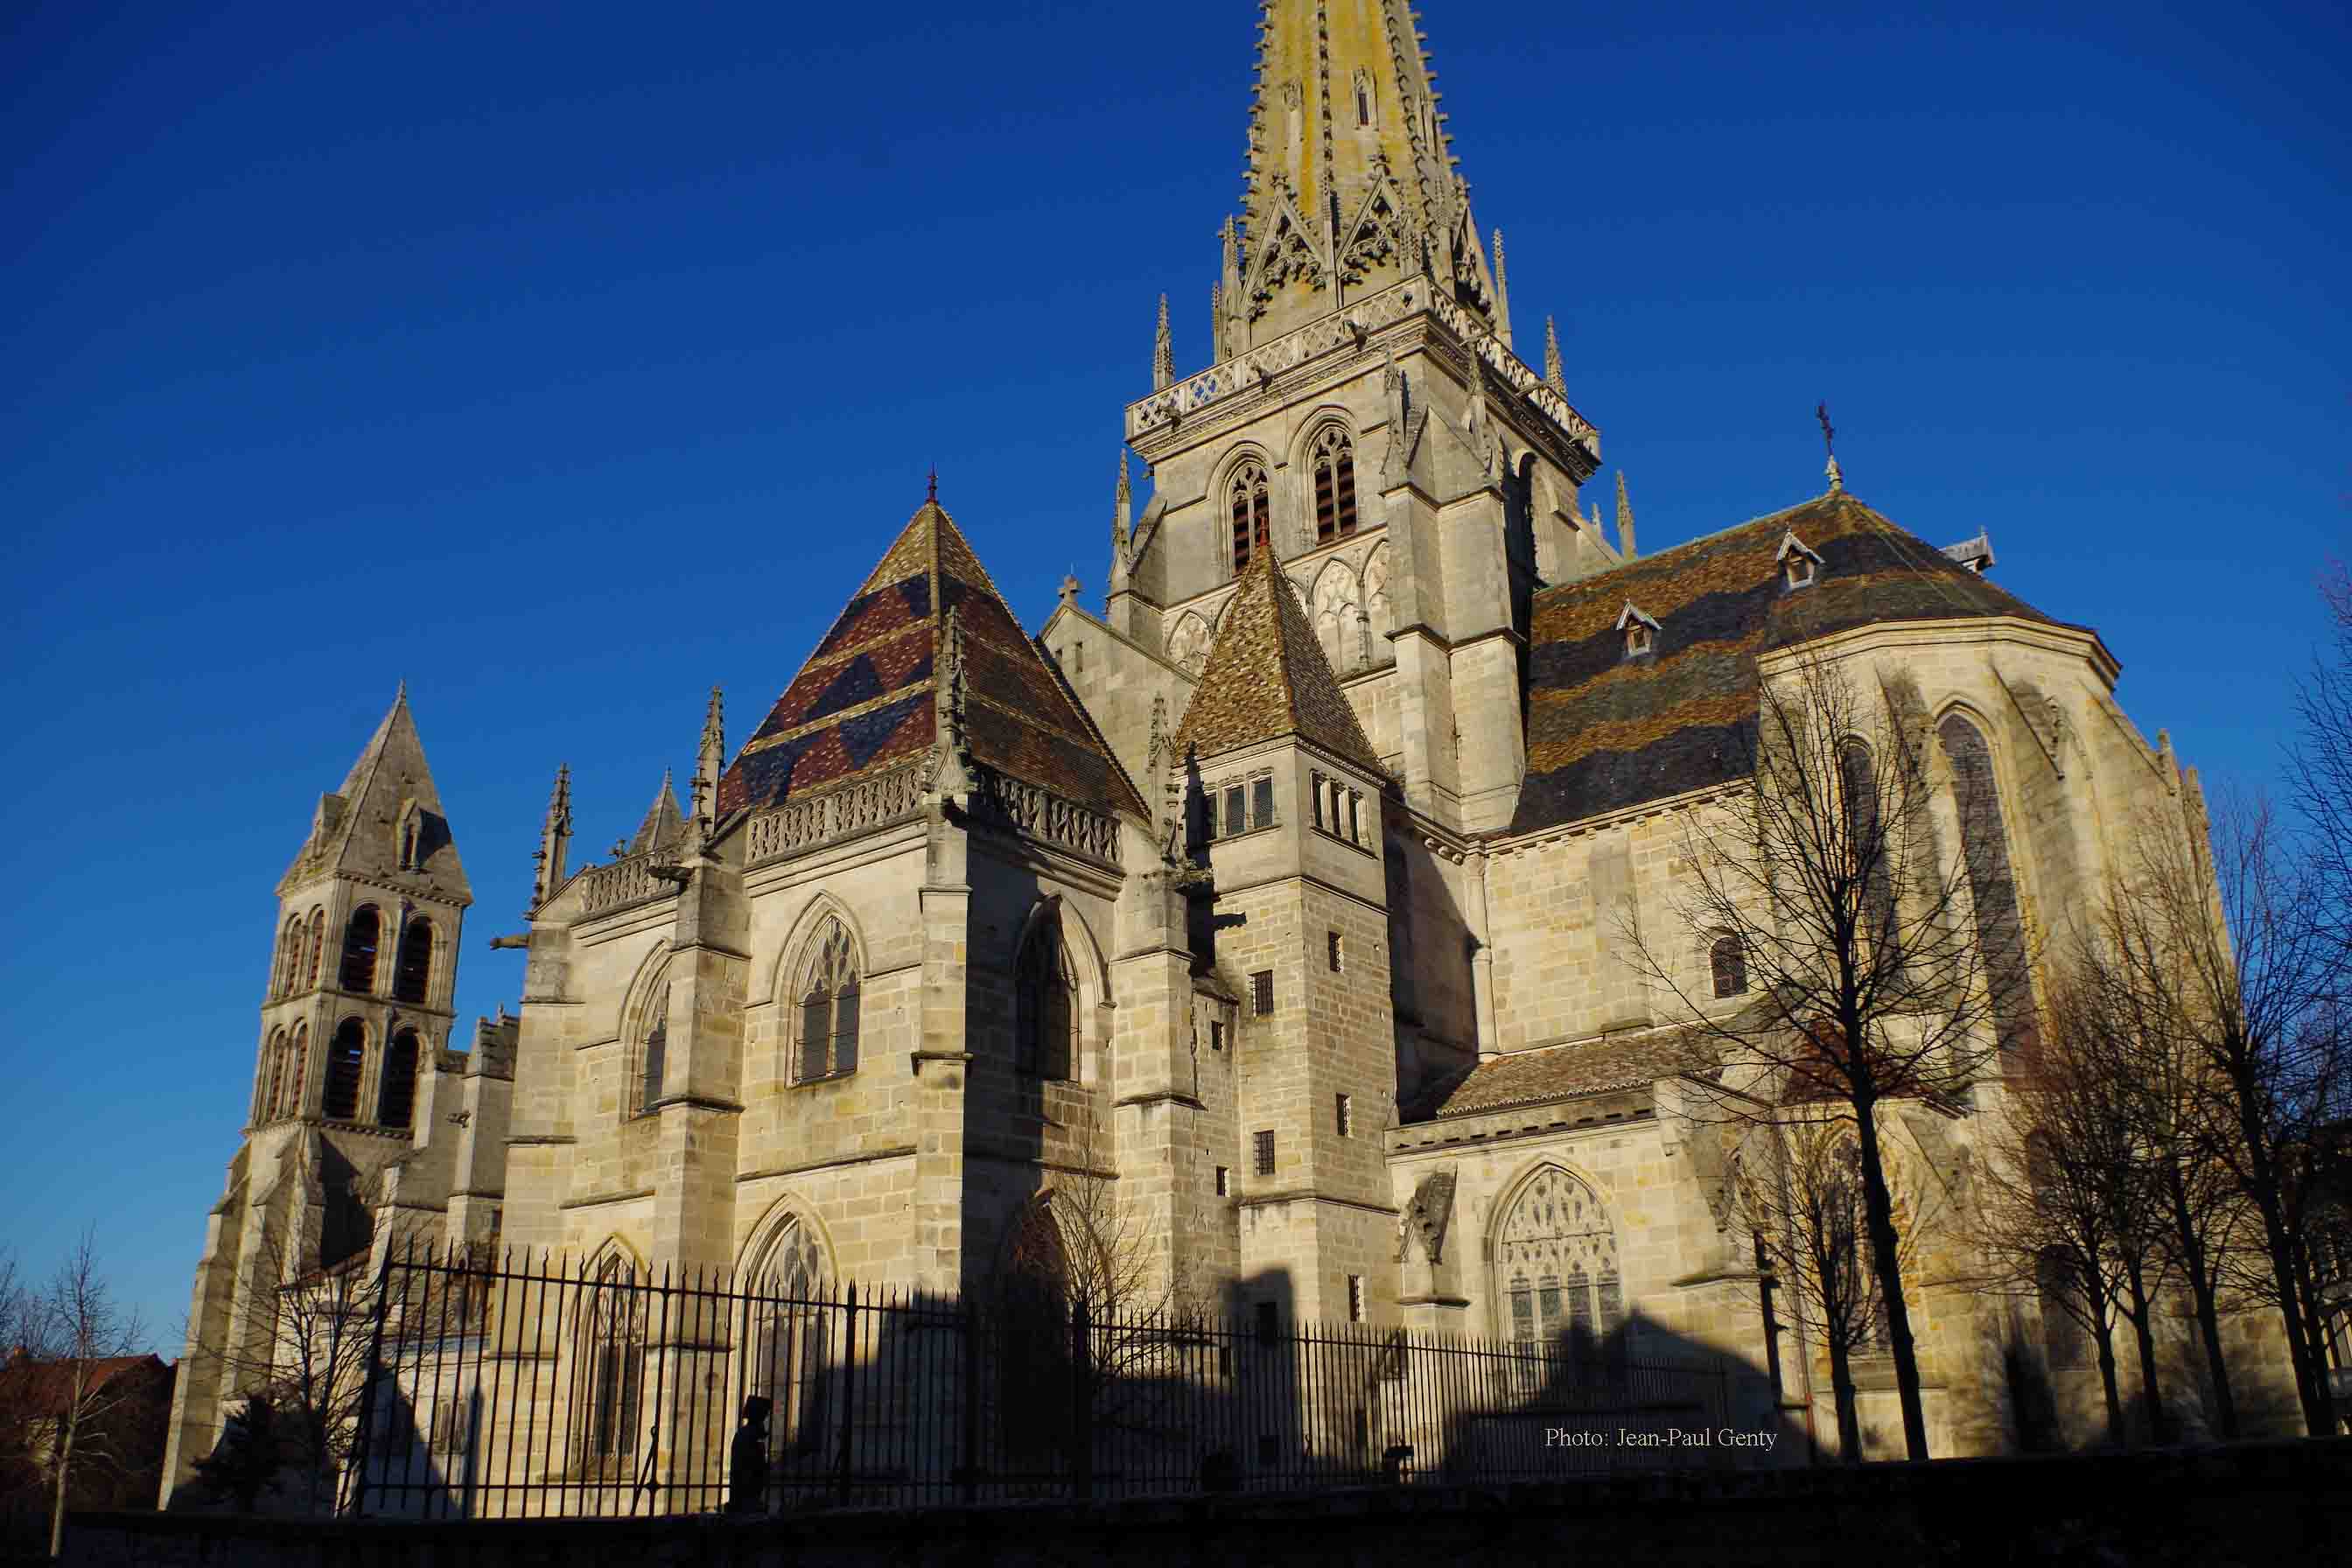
[[664, 823], [868, 696], [1371, 159], [1266, 677], [385, 824]]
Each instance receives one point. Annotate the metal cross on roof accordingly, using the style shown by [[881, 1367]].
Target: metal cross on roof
[[1829, 431]]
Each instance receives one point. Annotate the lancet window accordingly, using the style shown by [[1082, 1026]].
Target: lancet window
[[1247, 499], [1335, 485], [829, 995], [1045, 1002]]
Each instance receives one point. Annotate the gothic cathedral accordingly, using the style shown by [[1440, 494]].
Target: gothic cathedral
[[1276, 900]]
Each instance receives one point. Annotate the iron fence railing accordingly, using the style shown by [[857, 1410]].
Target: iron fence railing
[[534, 1389]]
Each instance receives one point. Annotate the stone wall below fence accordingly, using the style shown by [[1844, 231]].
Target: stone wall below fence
[[2253, 1505]]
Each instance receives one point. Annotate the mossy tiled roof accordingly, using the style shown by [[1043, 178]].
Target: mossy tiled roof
[[867, 698], [1606, 731], [1565, 1072], [1266, 676]]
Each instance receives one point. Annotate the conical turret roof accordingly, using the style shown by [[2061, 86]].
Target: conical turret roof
[[868, 697], [1266, 677]]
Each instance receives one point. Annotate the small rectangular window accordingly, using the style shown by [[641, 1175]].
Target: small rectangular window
[[1234, 820], [1217, 1035], [1262, 993], [1224, 1181], [1318, 799], [1355, 817], [1341, 1117], [1262, 803], [1332, 946], [1355, 1298], [1265, 1150]]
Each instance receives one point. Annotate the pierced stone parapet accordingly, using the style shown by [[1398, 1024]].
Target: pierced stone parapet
[[1044, 815], [877, 802], [628, 881], [1347, 328]]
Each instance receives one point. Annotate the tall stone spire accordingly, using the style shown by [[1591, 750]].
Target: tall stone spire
[[1122, 511], [1163, 352], [1502, 293], [1351, 173], [708, 764], [1553, 371], [1624, 519]]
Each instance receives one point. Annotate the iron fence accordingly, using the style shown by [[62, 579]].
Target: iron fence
[[535, 1390]]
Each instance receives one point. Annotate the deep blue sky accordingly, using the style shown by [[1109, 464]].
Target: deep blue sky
[[565, 360]]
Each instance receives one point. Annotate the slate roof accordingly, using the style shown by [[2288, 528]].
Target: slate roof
[[352, 832], [1605, 732], [1565, 1072], [1266, 676], [867, 696], [664, 825]]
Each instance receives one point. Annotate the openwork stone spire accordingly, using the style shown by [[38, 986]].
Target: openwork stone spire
[[1350, 178], [1625, 519], [1163, 352], [554, 840], [1554, 373]]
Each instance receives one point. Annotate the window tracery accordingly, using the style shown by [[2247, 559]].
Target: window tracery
[[1247, 499], [612, 1372], [829, 998], [1556, 1270], [1335, 485], [1045, 1002], [654, 1059]]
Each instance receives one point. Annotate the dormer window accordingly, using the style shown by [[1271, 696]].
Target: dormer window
[[1798, 562], [1640, 631]]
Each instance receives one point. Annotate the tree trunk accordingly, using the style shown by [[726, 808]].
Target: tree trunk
[[2318, 1412], [2151, 1398], [1849, 1420], [1886, 1264], [63, 1460], [2209, 1322], [2106, 1334]]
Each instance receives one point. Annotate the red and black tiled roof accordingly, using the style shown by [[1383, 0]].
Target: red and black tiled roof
[[1605, 732], [868, 696]]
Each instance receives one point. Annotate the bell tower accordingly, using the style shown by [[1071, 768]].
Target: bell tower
[[1366, 418]]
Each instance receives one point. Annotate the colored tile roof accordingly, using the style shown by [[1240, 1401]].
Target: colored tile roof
[[1565, 1072], [867, 696], [1266, 676], [1605, 732]]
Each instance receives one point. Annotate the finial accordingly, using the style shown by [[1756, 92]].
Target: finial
[[1163, 352], [1502, 293], [1625, 519], [1553, 374], [1122, 508], [931, 495], [1071, 588], [1829, 442], [402, 695]]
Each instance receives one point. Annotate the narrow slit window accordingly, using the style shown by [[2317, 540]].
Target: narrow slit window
[[1355, 1298], [1224, 1181], [1332, 945], [1343, 1117]]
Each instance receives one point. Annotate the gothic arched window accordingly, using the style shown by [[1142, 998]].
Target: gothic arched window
[[1869, 845], [1728, 960], [266, 1105], [654, 1059], [318, 947], [411, 971], [1246, 496], [395, 1102], [361, 938], [1045, 1002], [1335, 485], [346, 1058], [1556, 1274], [1984, 846], [288, 973], [291, 1105], [612, 1367], [791, 1337], [829, 1000]]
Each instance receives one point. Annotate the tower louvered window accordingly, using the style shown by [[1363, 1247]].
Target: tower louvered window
[[290, 1100], [412, 972], [361, 938], [1335, 485], [346, 1058], [396, 1101], [318, 948], [829, 999], [1246, 496]]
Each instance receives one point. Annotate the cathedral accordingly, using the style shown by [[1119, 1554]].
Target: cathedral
[[1275, 897]]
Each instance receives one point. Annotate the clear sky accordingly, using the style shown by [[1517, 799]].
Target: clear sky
[[565, 360]]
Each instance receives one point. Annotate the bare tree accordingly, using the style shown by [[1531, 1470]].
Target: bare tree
[[1854, 927], [2320, 766], [2071, 1201], [87, 1328], [305, 1353], [2230, 977], [1797, 1190]]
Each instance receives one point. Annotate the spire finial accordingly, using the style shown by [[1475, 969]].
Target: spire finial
[[1163, 352], [1502, 292], [1122, 508], [1829, 442], [931, 492], [554, 839], [1625, 519], [1554, 374]]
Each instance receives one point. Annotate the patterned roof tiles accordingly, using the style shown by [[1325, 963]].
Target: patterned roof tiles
[[1266, 676], [1605, 732], [868, 696]]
